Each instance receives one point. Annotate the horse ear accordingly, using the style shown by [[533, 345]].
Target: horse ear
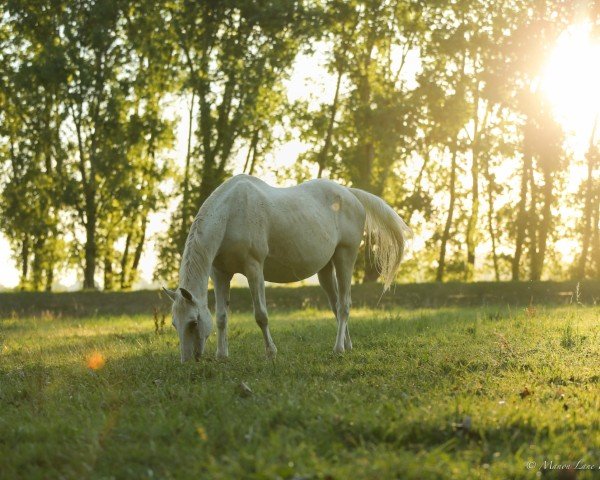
[[172, 294], [187, 295]]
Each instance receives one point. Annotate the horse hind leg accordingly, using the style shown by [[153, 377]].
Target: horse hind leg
[[328, 282], [347, 339], [343, 260], [256, 282]]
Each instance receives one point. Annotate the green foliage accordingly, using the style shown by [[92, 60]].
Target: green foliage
[[436, 107], [468, 115], [93, 154], [232, 58], [30, 121]]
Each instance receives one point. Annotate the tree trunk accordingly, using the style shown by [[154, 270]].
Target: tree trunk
[[472, 223], [138, 250], [439, 277], [209, 179], [254, 147], [418, 185], [542, 238], [49, 276], [588, 208], [90, 252], [37, 269], [490, 219], [125, 263], [210, 147], [596, 237], [521, 217], [185, 207], [365, 165], [587, 225], [88, 182], [532, 228], [24, 262], [471, 237], [108, 267], [251, 152], [371, 272]]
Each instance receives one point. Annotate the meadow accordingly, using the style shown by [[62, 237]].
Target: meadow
[[493, 391]]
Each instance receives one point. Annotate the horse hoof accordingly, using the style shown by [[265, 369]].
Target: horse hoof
[[222, 355], [271, 352], [338, 349]]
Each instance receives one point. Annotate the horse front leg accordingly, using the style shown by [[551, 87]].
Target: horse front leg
[[222, 283], [256, 282]]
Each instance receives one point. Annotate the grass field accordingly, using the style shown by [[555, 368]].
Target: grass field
[[426, 393]]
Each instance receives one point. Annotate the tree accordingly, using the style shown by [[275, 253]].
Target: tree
[[368, 126], [114, 107], [590, 219], [461, 56], [82, 85], [32, 72], [541, 138], [233, 56]]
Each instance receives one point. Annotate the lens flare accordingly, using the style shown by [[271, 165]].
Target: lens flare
[[96, 361]]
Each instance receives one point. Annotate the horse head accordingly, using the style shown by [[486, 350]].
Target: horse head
[[193, 322]]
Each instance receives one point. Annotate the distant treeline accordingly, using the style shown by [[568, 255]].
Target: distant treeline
[[432, 107], [504, 295]]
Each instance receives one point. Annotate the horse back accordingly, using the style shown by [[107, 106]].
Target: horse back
[[294, 230]]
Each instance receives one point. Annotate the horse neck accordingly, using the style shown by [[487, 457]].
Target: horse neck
[[196, 264]]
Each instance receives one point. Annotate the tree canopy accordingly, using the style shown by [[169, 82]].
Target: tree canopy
[[438, 107]]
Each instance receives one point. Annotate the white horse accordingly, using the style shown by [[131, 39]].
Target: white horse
[[279, 235]]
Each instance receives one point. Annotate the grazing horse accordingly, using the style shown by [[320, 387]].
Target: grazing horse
[[279, 235]]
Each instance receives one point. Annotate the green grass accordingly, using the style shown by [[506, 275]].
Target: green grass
[[445, 393]]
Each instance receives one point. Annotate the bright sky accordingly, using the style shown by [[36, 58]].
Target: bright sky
[[570, 80]]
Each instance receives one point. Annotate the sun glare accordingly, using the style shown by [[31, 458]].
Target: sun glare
[[571, 82]]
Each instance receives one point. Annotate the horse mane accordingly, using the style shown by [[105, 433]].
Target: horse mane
[[195, 264], [203, 242]]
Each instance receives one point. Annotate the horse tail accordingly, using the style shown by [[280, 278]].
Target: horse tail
[[387, 232]]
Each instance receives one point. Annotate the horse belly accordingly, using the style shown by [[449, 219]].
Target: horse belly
[[288, 270], [301, 242], [298, 257]]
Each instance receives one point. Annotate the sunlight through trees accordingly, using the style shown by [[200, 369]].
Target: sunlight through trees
[[477, 121]]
